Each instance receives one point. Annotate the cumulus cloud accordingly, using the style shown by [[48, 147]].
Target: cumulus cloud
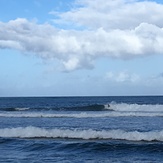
[[110, 31], [114, 14]]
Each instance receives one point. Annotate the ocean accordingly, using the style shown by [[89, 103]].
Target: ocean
[[81, 129]]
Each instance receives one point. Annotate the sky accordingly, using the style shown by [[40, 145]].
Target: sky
[[81, 47]]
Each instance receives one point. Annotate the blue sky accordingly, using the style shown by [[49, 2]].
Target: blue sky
[[81, 47]]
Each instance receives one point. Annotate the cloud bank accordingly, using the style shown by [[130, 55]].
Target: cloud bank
[[122, 29]]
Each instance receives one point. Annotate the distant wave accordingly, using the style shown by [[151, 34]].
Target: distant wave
[[14, 109], [119, 107], [36, 132], [80, 115], [94, 107], [136, 107]]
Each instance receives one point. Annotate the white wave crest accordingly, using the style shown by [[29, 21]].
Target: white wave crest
[[135, 107], [82, 115], [21, 109], [35, 132]]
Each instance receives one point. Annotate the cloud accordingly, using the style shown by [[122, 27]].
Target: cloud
[[110, 31], [114, 14], [122, 76]]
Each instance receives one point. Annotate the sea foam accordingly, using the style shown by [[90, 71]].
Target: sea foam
[[82, 115], [136, 107], [36, 132]]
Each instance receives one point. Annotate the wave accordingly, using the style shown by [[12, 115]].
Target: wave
[[113, 106], [93, 107], [136, 107], [14, 109], [81, 115], [36, 132]]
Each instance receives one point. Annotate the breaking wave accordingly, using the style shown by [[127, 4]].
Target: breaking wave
[[93, 107], [90, 111], [136, 107], [113, 106], [36, 132], [81, 115]]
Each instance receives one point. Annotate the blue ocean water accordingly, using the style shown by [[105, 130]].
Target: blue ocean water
[[81, 129]]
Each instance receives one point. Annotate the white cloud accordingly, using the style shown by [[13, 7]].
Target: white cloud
[[119, 29], [71, 64], [122, 76], [114, 14]]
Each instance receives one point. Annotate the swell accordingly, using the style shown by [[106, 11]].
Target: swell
[[112, 146], [11, 109], [82, 146], [93, 107], [113, 106], [36, 132]]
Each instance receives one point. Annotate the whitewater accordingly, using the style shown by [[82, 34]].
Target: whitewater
[[81, 129], [35, 132], [114, 110]]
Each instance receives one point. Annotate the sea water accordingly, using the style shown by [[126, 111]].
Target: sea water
[[81, 129]]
